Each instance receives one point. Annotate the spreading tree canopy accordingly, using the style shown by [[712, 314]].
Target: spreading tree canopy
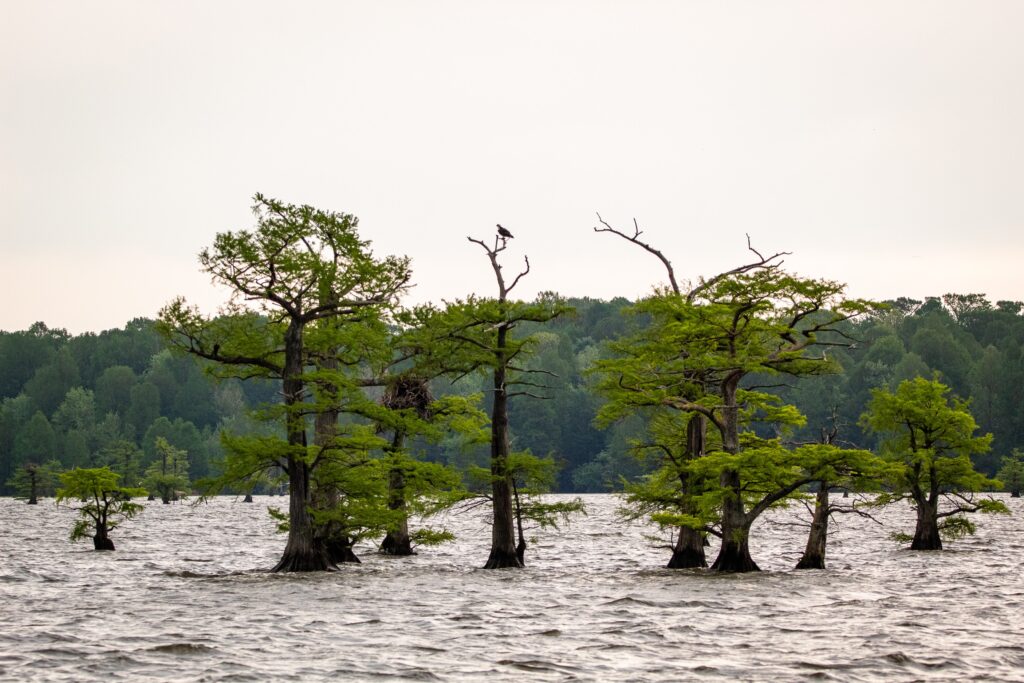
[[699, 355], [299, 268], [101, 502], [930, 435]]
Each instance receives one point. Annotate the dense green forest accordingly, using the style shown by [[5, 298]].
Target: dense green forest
[[105, 399]]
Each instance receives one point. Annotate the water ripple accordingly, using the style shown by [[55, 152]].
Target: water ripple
[[187, 597]]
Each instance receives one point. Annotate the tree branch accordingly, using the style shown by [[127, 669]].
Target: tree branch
[[643, 245]]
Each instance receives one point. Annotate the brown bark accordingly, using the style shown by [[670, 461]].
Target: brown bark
[[689, 550], [100, 541], [734, 554], [926, 533], [33, 477], [304, 551], [397, 541], [339, 550], [503, 540], [814, 553]]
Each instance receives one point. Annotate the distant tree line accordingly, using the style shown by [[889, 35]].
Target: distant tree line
[[104, 399], [108, 399]]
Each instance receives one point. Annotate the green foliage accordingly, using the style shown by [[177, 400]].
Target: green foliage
[[464, 336], [101, 502], [35, 441], [928, 438], [167, 386], [1011, 474], [124, 457], [701, 358], [531, 477], [168, 474], [428, 537], [32, 481], [930, 433], [957, 527]]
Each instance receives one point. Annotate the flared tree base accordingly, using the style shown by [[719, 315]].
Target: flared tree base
[[735, 558], [689, 550], [499, 559], [687, 558], [811, 561], [340, 552], [397, 545], [926, 535], [305, 562], [102, 543]]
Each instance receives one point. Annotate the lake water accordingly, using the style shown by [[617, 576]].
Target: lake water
[[183, 599]]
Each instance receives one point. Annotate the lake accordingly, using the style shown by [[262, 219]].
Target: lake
[[186, 598]]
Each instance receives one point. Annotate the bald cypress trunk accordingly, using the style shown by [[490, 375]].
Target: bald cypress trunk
[[503, 539], [926, 533], [397, 541], [304, 551], [33, 483], [734, 555], [689, 549], [814, 553], [100, 540]]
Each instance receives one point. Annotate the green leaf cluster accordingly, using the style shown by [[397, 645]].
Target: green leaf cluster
[[99, 499]]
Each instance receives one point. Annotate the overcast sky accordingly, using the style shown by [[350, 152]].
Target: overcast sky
[[881, 142]]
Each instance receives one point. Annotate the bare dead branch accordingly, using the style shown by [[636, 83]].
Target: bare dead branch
[[635, 239]]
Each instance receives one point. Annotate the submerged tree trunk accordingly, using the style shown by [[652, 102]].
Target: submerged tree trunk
[[503, 538], [689, 549], [304, 551], [814, 553], [926, 534], [339, 551], [397, 541], [521, 543], [335, 539], [100, 541], [33, 482], [734, 555]]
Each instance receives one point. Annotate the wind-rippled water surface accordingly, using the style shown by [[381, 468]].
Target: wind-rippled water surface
[[184, 598]]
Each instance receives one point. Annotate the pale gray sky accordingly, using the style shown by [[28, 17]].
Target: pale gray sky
[[882, 142]]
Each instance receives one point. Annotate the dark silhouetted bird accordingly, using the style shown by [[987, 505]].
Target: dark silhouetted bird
[[503, 232]]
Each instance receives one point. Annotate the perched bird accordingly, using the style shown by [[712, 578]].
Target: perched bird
[[503, 232]]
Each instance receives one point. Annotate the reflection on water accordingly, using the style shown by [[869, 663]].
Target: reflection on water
[[182, 600]]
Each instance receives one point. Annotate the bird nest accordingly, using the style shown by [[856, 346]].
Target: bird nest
[[408, 393]]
